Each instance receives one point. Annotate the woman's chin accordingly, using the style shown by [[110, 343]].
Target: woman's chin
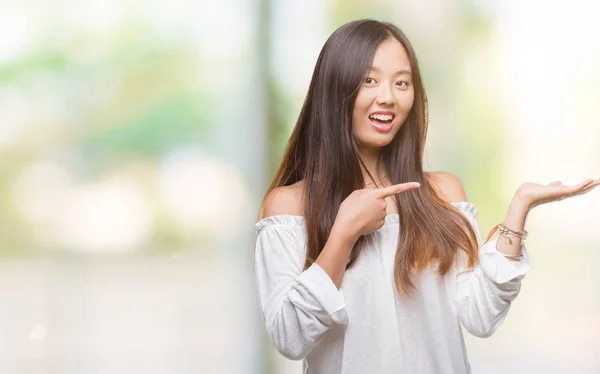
[[375, 144]]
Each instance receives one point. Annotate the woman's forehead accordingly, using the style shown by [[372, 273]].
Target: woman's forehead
[[391, 56]]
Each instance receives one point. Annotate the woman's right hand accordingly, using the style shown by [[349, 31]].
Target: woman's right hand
[[364, 210]]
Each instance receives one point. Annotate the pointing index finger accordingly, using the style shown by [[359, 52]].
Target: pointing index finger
[[396, 189]]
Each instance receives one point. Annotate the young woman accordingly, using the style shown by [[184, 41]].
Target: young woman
[[364, 262]]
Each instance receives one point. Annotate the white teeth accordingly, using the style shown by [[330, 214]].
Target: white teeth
[[382, 117]]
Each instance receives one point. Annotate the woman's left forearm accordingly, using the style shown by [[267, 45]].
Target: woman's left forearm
[[530, 195], [515, 219]]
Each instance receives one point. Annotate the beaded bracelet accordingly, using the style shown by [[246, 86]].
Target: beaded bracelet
[[508, 233]]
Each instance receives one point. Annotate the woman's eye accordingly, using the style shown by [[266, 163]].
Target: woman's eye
[[369, 80], [402, 83]]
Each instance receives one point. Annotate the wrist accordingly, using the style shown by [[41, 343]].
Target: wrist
[[521, 203], [344, 233]]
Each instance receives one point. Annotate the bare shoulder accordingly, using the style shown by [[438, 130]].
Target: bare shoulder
[[285, 200], [448, 186]]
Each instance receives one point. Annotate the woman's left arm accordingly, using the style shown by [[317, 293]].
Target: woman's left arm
[[483, 295]]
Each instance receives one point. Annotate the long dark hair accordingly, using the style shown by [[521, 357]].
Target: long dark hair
[[323, 152]]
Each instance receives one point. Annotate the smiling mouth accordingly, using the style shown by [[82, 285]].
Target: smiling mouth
[[382, 122]]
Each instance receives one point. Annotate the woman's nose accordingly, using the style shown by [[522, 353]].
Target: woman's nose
[[385, 95]]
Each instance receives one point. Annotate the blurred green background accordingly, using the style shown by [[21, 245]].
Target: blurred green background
[[137, 140]]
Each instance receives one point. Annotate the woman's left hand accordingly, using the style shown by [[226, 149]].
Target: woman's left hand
[[534, 194]]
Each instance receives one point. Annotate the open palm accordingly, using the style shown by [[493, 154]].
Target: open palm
[[537, 194]]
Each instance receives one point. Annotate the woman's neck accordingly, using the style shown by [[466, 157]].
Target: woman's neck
[[373, 163]]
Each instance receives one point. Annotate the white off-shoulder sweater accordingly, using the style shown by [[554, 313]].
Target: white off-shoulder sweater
[[366, 326]]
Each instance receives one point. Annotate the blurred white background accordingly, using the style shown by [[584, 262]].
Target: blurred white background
[[138, 138]]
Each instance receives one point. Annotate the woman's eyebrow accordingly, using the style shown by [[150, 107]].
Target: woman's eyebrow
[[399, 72]]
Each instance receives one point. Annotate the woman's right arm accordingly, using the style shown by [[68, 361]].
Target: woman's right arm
[[297, 306]]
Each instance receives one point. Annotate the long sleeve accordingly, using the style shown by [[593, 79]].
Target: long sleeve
[[483, 295], [297, 306]]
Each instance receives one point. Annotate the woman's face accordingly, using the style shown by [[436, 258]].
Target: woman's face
[[384, 98]]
